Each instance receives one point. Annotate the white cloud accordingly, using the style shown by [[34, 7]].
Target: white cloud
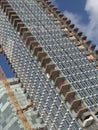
[[74, 17], [90, 29], [92, 10]]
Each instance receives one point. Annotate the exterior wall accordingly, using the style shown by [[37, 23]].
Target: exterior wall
[[76, 68], [8, 118], [48, 102]]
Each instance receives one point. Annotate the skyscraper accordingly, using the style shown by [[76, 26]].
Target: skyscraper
[[55, 63], [16, 112]]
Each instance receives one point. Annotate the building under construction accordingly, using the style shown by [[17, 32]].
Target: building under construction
[[56, 70]]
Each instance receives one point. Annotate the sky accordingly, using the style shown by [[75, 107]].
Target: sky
[[6, 67], [82, 13]]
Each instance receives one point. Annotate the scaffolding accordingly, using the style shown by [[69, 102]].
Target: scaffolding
[[19, 110]]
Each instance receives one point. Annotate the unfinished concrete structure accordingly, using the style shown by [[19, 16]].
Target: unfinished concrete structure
[[16, 110], [55, 63]]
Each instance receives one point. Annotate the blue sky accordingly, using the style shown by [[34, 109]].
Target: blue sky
[[83, 13], [6, 68], [77, 7]]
